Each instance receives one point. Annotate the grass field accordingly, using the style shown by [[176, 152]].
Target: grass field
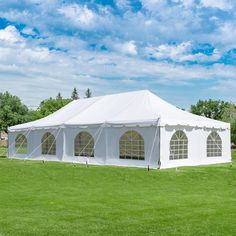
[[3, 151], [62, 199]]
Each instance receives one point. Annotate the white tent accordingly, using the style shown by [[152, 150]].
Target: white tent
[[127, 129]]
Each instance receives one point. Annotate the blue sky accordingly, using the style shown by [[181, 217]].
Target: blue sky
[[182, 50]]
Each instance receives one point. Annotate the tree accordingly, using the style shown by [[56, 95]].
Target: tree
[[218, 110], [88, 93], [229, 115], [12, 111], [74, 95], [49, 106], [59, 96], [210, 108], [233, 131]]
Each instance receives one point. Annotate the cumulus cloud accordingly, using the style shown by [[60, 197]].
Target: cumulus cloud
[[181, 53], [29, 31], [220, 4], [10, 35], [56, 45], [128, 48], [80, 15]]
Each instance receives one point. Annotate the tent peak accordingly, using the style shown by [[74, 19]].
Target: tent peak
[[144, 91]]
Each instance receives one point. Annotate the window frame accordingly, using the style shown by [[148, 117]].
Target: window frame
[[21, 144], [48, 144], [131, 146], [80, 149], [178, 146], [214, 147]]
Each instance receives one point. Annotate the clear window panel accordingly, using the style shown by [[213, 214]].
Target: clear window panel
[[178, 146], [21, 144], [132, 146], [48, 143], [214, 145], [84, 145]]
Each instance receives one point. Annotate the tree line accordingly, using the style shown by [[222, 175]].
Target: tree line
[[13, 111]]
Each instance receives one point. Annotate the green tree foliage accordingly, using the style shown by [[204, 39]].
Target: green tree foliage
[[229, 115], [218, 110], [12, 111], [210, 108], [88, 93], [49, 106], [233, 131], [74, 95]]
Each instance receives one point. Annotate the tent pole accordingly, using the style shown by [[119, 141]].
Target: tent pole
[[160, 134], [64, 144], [153, 144], [106, 137]]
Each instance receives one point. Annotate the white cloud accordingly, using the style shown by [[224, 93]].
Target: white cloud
[[51, 71], [123, 4], [29, 31], [185, 3], [15, 15], [224, 35], [153, 5], [180, 53], [10, 35], [188, 3], [80, 15], [164, 29], [174, 52], [220, 4], [129, 48]]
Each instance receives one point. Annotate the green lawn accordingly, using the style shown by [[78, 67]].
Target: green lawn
[[63, 199], [3, 151]]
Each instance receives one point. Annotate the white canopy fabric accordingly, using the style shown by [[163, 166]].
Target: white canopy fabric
[[131, 108]]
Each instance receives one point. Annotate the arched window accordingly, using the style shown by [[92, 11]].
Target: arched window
[[21, 144], [214, 145], [179, 146], [84, 144], [132, 146], [48, 144]]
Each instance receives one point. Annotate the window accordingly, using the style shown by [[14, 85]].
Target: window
[[84, 145], [21, 144], [132, 146], [179, 146], [214, 145], [48, 144]]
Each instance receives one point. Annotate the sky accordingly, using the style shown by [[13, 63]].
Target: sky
[[182, 50]]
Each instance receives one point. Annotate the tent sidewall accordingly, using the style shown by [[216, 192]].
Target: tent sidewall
[[106, 140], [197, 146]]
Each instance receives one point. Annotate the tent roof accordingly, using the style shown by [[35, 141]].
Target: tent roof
[[131, 108]]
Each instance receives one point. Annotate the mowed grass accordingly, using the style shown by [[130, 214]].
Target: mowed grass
[[63, 199], [3, 151]]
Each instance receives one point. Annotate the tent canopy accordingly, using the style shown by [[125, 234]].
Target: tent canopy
[[131, 108]]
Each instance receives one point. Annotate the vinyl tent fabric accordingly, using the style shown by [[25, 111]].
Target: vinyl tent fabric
[[107, 118], [140, 107]]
